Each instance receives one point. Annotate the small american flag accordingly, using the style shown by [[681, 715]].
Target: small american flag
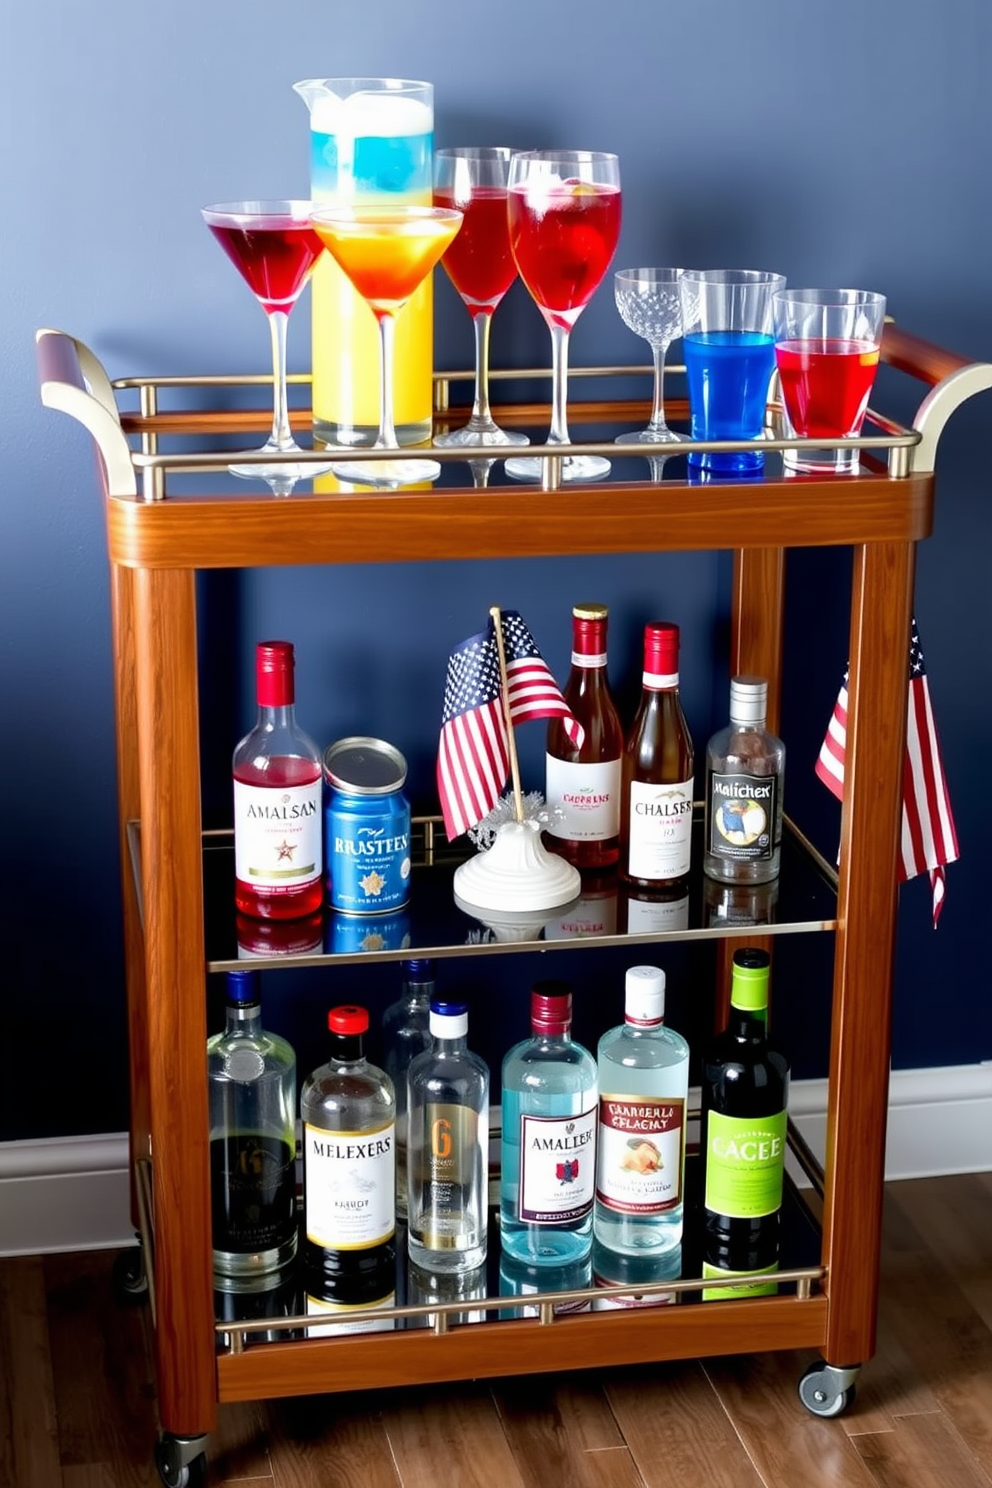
[[929, 839], [474, 752]]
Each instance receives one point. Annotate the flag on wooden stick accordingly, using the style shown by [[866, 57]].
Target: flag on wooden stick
[[929, 838], [475, 746]]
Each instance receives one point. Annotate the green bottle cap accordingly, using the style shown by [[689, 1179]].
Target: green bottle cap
[[749, 985]]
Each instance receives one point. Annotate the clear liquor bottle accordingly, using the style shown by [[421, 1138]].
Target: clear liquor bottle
[[640, 1160], [251, 1079], [657, 774], [448, 1146], [349, 1169], [745, 771], [548, 1144], [745, 1095], [583, 781], [405, 1034], [278, 784]]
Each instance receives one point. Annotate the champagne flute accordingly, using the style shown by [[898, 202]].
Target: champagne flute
[[564, 211], [274, 248], [387, 253], [650, 306], [479, 264]]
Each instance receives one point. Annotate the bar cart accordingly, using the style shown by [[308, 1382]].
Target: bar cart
[[159, 536]]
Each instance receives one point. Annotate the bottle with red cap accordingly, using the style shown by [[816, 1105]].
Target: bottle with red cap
[[656, 795], [582, 781], [278, 824], [348, 1108], [548, 1140]]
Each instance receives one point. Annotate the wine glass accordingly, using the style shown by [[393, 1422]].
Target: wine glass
[[387, 253], [649, 304], [274, 248], [564, 211], [479, 264]]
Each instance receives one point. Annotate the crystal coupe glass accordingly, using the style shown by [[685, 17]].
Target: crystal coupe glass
[[274, 248], [649, 304]]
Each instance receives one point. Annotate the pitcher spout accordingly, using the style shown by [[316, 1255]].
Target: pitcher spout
[[311, 90]]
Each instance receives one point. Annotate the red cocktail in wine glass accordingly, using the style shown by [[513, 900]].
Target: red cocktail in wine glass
[[479, 264], [564, 215], [273, 246]]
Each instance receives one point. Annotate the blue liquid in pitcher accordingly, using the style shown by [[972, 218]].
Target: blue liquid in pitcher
[[728, 373], [398, 164]]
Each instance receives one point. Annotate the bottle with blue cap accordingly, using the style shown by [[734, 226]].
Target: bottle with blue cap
[[448, 1146], [251, 1078], [405, 1034]]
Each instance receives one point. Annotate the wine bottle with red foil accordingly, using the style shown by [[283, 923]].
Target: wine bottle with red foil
[[656, 792], [278, 852], [582, 783]]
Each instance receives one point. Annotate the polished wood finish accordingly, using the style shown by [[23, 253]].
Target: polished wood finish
[[160, 545], [78, 1407]]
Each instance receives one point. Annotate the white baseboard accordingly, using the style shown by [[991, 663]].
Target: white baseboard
[[72, 1193]]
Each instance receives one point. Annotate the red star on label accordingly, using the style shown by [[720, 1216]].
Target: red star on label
[[285, 851]]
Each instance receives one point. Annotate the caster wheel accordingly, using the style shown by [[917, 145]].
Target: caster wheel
[[827, 1391], [175, 1469], [130, 1278]]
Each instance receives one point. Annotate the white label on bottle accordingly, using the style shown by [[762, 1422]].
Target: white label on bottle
[[657, 916], [557, 1167], [588, 797], [349, 1184], [277, 834], [660, 830], [640, 1155]]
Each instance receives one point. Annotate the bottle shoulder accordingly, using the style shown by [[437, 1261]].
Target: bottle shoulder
[[642, 1049]]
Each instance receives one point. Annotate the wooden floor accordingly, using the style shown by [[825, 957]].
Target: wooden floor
[[77, 1397]]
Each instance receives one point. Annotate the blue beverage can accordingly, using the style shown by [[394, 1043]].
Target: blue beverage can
[[366, 827]]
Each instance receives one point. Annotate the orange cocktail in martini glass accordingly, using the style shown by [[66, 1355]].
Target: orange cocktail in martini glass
[[386, 252]]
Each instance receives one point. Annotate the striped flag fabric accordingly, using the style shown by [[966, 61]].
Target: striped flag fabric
[[474, 751], [929, 838]]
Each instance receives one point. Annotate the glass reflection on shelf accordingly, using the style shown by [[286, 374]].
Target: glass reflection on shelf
[[657, 913], [260, 939], [347, 934], [610, 1269], [521, 1279], [250, 1299], [739, 904], [594, 912], [424, 1287], [331, 1318]]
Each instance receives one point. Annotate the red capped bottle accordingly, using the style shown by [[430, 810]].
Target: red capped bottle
[[656, 796], [582, 783], [278, 855]]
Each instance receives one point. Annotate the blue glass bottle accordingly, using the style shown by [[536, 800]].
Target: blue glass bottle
[[548, 1144]]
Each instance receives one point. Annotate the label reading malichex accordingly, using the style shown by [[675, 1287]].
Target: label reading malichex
[[588, 796], [660, 830], [745, 1157], [557, 1167], [277, 834], [349, 1183], [639, 1162], [742, 816]]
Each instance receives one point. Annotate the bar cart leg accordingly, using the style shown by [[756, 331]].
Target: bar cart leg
[[181, 1461], [172, 890], [866, 915]]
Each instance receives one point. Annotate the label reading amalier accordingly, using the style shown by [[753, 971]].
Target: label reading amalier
[[557, 1167], [742, 817]]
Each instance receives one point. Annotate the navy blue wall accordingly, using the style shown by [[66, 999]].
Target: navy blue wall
[[839, 142]]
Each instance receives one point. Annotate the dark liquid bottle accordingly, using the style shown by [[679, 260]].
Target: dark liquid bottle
[[745, 1091], [583, 781], [349, 1169]]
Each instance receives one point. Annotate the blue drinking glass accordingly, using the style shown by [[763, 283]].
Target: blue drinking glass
[[728, 343]]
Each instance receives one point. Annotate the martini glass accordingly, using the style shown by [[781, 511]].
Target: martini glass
[[649, 304], [564, 211], [387, 253], [479, 264], [274, 248]]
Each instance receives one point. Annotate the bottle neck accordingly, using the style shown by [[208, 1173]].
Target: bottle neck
[[455, 1045], [588, 645], [244, 1017], [556, 1034], [280, 716], [659, 681], [347, 1048]]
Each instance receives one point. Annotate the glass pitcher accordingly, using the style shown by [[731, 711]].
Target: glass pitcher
[[371, 143]]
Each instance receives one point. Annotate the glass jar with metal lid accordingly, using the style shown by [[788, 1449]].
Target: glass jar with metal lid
[[366, 827]]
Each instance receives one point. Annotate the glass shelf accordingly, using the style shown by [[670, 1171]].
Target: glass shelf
[[606, 912]]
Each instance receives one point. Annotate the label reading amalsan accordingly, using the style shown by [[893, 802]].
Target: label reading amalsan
[[588, 796], [742, 816], [557, 1167], [660, 829], [745, 1157], [277, 834], [349, 1186], [639, 1161]]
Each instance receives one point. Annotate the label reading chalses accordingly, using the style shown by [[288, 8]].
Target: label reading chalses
[[349, 1186], [660, 830]]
